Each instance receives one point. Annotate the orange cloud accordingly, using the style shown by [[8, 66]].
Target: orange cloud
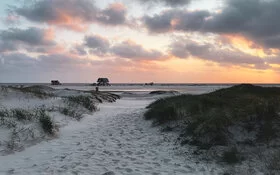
[[49, 34], [56, 50], [65, 20], [175, 22], [75, 15], [246, 45], [117, 6]]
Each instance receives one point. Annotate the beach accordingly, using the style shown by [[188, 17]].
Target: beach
[[113, 139]]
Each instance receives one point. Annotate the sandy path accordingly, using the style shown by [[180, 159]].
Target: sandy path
[[116, 139]]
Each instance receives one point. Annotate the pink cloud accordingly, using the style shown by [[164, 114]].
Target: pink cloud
[[75, 15]]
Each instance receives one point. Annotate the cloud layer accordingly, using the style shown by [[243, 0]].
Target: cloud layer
[[172, 3], [72, 14], [185, 48], [243, 34], [101, 46], [255, 19], [30, 39]]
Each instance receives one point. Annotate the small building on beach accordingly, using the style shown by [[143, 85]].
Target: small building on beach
[[55, 82], [103, 82], [149, 84]]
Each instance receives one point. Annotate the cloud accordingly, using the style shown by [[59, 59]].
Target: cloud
[[59, 12], [47, 49], [48, 62], [115, 14], [255, 19], [79, 50], [31, 39], [6, 46], [97, 44], [60, 61], [172, 3], [101, 46], [76, 15], [32, 36], [11, 19], [176, 20], [21, 67], [17, 60], [128, 49], [185, 48]]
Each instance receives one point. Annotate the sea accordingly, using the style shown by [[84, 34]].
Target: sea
[[184, 88]]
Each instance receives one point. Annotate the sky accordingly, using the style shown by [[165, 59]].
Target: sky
[[161, 41]]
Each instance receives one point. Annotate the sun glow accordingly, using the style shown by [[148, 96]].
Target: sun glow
[[245, 45]]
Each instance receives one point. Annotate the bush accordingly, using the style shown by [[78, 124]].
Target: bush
[[231, 156], [22, 114], [3, 113], [70, 112], [207, 117], [163, 115], [85, 101], [6, 118], [266, 132], [37, 91], [273, 163], [46, 122]]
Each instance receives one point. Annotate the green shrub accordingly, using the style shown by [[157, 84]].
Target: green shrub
[[71, 112], [46, 122], [207, 117], [22, 114], [273, 163], [85, 101], [3, 113], [231, 156], [37, 91], [163, 115], [266, 132], [5, 118]]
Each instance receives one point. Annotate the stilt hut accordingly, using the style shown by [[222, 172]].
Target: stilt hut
[[103, 82]]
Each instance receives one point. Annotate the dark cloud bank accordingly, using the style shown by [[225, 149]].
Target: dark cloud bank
[[101, 46], [59, 12], [184, 48], [173, 3], [29, 39], [255, 19]]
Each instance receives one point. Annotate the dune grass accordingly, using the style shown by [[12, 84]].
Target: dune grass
[[71, 112], [85, 101], [46, 122], [37, 91], [11, 117], [208, 117]]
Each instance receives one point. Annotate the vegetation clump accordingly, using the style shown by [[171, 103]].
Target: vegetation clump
[[41, 92], [231, 156], [74, 113], [209, 119], [46, 121], [85, 101], [22, 114]]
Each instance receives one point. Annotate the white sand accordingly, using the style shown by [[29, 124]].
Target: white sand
[[115, 139]]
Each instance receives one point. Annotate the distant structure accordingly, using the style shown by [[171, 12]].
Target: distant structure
[[55, 82], [103, 82], [149, 84]]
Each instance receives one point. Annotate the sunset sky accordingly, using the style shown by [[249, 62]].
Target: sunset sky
[[136, 41]]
